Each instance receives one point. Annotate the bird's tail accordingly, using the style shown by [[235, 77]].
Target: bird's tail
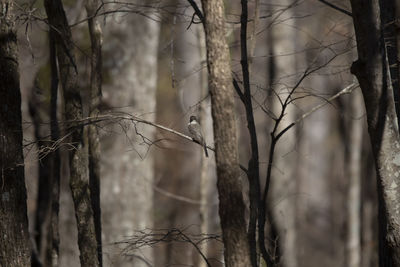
[[205, 150]]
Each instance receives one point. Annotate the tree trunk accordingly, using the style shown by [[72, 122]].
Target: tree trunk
[[283, 183], [38, 110], [78, 155], [231, 204], [14, 236], [253, 170], [93, 134], [56, 159], [130, 56], [388, 19], [47, 209], [396, 31], [354, 182], [205, 121], [372, 72]]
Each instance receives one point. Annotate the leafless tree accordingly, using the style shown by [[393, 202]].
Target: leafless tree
[[231, 206], [78, 155]]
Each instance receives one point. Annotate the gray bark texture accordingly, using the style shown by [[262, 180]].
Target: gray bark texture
[[231, 204], [130, 57], [371, 69], [14, 236], [78, 156]]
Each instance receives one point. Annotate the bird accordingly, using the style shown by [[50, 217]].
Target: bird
[[196, 132]]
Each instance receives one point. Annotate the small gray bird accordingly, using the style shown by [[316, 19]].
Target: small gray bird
[[196, 132]]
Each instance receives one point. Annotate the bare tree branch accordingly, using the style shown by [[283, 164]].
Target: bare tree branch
[[253, 172], [344, 11], [347, 90], [176, 197], [151, 237]]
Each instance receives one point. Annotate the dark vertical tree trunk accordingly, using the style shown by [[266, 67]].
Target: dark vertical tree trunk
[[14, 236], [55, 160], [43, 231], [373, 74], [46, 224], [387, 12], [79, 175], [231, 206], [253, 172], [396, 31], [93, 137]]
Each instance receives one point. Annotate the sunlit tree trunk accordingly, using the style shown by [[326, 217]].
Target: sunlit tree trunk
[[353, 247]]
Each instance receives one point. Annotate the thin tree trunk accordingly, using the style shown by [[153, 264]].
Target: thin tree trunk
[[253, 171], [369, 211], [46, 221], [371, 69], [55, 161], [354, 186], [79, 176], [231, 206], [204, 174], [14, 236], [43, 219], [93, 134], [396, 32], [283, 183]]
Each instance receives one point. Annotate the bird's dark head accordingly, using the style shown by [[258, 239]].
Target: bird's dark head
[[193, 118]]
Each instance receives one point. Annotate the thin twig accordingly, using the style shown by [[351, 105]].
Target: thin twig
[[344, 11], [176, 197], [347, 90], [253, 164], [197, 10]]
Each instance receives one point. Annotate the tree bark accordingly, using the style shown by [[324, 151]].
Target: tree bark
[[79, 176], [372, 72], [14, 236], [231, 205], [93, 134]]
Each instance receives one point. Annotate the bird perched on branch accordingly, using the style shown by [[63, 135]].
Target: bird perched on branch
[[196, 132]]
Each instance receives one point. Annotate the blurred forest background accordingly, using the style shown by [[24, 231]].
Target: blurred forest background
[[158, 195]]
